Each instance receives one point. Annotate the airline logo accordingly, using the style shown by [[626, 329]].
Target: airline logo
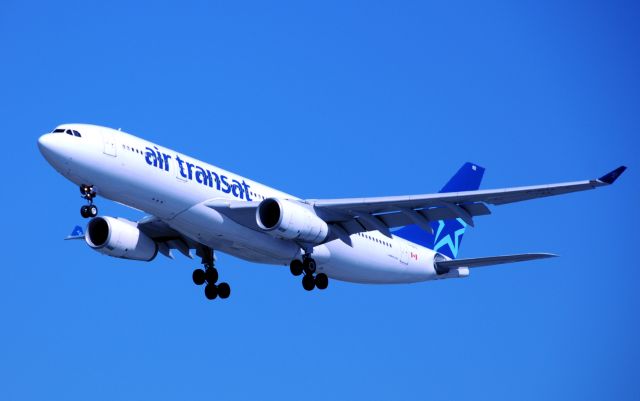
[[450, 237], [191, 171], [77, 232]]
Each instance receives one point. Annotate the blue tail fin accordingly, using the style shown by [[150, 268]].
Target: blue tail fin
[[447, 234]]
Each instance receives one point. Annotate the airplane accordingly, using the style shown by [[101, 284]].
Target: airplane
[[193, 205]]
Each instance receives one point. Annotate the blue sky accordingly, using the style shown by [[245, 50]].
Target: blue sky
[[324, 100]]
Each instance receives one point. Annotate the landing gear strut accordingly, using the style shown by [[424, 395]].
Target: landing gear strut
[[89, 194], [209, 275], [310, 280]]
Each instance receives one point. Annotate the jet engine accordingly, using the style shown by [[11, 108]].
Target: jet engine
[[120, 238], [291, 220]]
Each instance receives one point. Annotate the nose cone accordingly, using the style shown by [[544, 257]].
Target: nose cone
[[52, 149], [45, 143]]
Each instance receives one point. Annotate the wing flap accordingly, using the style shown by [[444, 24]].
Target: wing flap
[[403, 217]]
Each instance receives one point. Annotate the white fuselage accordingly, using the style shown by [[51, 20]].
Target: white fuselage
[[173, 187]]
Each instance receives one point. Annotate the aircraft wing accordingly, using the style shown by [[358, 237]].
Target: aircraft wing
[[353, 215], [166, 237], [382, 213], [241, 212]]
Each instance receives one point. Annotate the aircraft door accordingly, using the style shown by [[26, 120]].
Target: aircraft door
[[404, 254], [110, 146]]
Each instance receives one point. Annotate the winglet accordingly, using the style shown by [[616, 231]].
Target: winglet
[[77, 233], [612, 176]]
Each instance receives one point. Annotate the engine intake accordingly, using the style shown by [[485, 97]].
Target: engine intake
[[291, 220], [120, 238]]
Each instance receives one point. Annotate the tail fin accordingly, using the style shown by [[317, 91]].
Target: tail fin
[[447, 234]]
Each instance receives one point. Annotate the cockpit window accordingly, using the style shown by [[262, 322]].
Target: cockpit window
[[58, 130], [72, 132]]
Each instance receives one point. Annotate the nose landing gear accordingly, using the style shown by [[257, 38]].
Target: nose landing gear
[[310, 280], [209, 275], [89, 194]]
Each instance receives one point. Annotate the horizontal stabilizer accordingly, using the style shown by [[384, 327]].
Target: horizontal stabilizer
[[492, 260], [77, 233]]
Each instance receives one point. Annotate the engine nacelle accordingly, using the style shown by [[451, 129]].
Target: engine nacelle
[[120, 238], [290, 220]]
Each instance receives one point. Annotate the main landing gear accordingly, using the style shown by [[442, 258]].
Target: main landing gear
[[310, 280], [210, 275], [89, 194]]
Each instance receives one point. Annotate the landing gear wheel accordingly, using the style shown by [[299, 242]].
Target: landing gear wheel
[[211, 291], [88, 194], [211, 275], [224, 290], [322, 281], [296, 267], [199, 277], [309, 265], [308, 283]]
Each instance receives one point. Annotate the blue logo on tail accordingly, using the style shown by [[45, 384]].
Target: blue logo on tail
[[447, 234], [451, 240], [77, 232]]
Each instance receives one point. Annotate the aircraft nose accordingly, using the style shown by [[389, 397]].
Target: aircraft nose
[[52, 148], [45, 143]]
